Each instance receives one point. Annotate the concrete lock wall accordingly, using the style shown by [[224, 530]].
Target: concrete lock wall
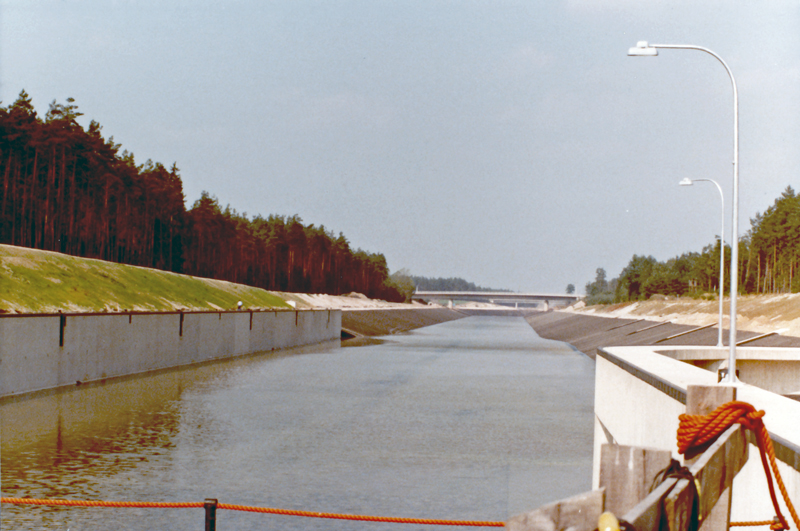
[[44, 352], [640, 391], [776, 370]]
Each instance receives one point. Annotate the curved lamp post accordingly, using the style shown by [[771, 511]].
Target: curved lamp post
[[642, 49], [690, 182]]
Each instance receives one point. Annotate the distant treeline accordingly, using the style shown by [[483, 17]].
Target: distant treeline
[[70, 190], [447, 284], [769, 255]]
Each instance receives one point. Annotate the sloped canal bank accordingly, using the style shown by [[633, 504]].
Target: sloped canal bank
[[587, 333]]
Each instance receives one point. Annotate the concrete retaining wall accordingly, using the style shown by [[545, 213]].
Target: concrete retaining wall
[[43, 352], [640, 391]]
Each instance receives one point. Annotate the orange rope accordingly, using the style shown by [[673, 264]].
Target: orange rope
[[99, 503], [697, 432], [285, 512], [364, 518]]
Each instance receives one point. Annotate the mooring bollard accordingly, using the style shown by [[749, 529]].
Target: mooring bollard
[[210, 505]]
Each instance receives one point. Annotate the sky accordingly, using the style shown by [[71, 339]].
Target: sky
[[510, 143]]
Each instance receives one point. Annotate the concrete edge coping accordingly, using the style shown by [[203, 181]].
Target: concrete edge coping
[[672, 377], [125, 313], [684, 353]]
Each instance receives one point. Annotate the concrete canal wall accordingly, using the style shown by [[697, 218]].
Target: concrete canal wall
[[40, 352], [640, 391], [643, 371]]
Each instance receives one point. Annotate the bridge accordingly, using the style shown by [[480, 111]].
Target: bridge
[[505, 298]]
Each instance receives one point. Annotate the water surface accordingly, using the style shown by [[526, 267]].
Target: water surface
[[471, 419]]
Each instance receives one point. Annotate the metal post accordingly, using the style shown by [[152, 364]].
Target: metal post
[[211, 513], [721, 251], [720, 344], [643, 49]]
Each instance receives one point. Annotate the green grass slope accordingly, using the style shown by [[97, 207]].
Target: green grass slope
[[34, 281]]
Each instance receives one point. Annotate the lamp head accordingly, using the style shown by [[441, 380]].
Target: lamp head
[[686, 182], [642, 50]]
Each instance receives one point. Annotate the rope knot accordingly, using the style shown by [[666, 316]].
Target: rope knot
[[697, 432], [752, 420], [776, 525]]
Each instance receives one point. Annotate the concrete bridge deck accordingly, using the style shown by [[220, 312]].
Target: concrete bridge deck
[[499, 297]]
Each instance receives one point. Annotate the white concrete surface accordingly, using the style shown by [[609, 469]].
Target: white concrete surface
[[773, 369], [640, 391]]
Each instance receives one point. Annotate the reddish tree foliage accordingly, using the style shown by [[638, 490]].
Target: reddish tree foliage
[[70, 190]]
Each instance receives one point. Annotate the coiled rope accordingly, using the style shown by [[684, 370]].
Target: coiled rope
[[697, 432], [246, 508]]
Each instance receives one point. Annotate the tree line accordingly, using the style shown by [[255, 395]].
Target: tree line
[[69, 189], [447, 284], [769, 255]]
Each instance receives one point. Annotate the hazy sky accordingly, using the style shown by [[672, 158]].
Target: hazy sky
[[511, 143]]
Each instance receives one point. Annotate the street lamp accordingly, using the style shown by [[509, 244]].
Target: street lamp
[[643, 49], [689, 182]]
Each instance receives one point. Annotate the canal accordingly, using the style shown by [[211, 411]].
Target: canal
[[475, 419]]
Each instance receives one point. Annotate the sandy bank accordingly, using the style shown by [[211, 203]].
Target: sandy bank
[[366, 317], [756, 313], [587, 332]]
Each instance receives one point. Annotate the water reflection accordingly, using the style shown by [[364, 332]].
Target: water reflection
[[362, 341], [475, 418]]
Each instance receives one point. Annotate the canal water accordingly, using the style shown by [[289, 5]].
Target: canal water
[[475, 419]]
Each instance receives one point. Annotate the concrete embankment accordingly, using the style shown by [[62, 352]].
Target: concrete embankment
[[384, 321], [43, 352], [587, 333]]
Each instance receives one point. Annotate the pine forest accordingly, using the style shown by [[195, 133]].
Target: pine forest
[[769, 259], [70, 190]]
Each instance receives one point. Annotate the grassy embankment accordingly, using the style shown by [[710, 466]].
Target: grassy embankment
[[34, 281]]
